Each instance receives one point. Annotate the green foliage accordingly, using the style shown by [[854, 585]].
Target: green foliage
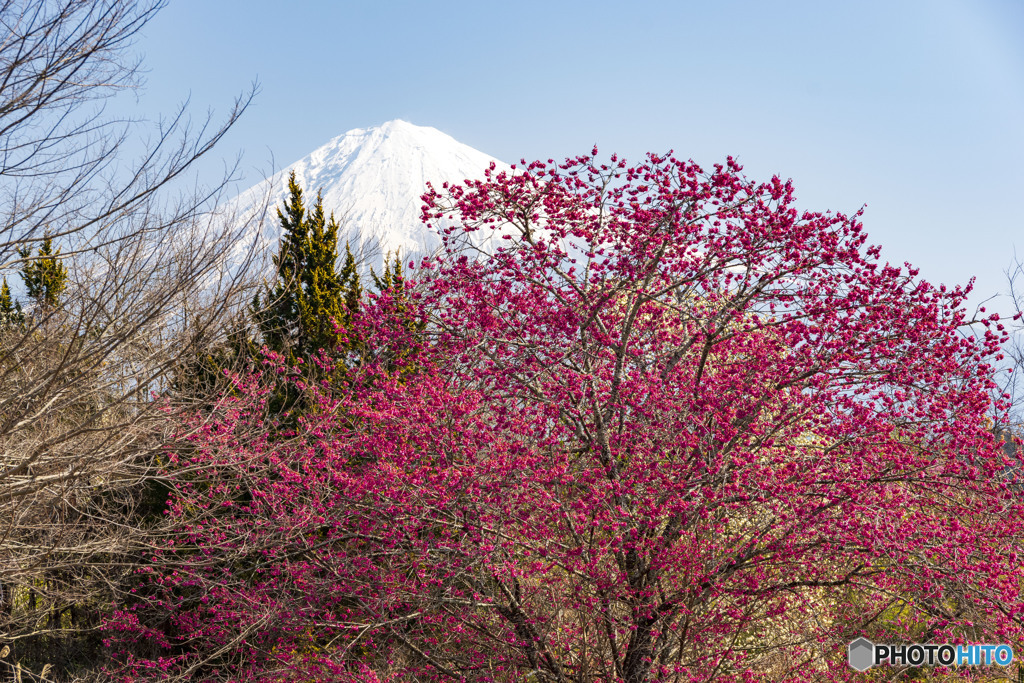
[[327, 299], [350, 281], [44, 275], [307, 310], [392, 284], [277, 315], [10, 310], [310, 305]]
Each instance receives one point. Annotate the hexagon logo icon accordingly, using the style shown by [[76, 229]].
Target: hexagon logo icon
[[861, 654]]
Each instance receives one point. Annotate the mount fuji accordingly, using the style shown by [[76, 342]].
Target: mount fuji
[[371, 179]]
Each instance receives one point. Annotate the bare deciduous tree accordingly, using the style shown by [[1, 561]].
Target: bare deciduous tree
[[151, 277]]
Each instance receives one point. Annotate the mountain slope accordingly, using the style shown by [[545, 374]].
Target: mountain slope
[[372, 179]]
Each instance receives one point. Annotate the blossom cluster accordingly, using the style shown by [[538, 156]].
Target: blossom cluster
[[670, 429]]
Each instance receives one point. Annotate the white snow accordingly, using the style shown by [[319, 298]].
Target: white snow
[[372, 179]]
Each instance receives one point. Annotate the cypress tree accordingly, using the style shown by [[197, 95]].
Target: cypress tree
[[392, 284], [298, 314], [44, 275], [350, 282], [310, 305], [10, 310], [322, 298], [277, 316]]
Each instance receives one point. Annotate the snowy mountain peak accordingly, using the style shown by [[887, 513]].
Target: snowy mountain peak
[[372, 180]]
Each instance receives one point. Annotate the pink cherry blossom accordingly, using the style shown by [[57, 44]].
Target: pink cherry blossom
[[671, 429]]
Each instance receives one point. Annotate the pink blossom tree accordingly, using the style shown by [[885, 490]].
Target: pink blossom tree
[[673, 429]]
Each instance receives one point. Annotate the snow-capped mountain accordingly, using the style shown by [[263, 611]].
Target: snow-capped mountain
[[372, 179]]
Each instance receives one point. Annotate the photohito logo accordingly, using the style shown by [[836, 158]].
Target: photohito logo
[[862, 654]]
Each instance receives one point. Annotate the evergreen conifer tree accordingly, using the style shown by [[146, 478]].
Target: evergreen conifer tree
[[310, 305], [392, 284], [298, 314], [44, 275], [350, 282], [323, 299], [277, 316], [10, 310]]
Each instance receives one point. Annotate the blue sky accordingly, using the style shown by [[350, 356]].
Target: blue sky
[[913, 108]]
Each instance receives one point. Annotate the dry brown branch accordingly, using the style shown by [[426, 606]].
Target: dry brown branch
[[152, 279]]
